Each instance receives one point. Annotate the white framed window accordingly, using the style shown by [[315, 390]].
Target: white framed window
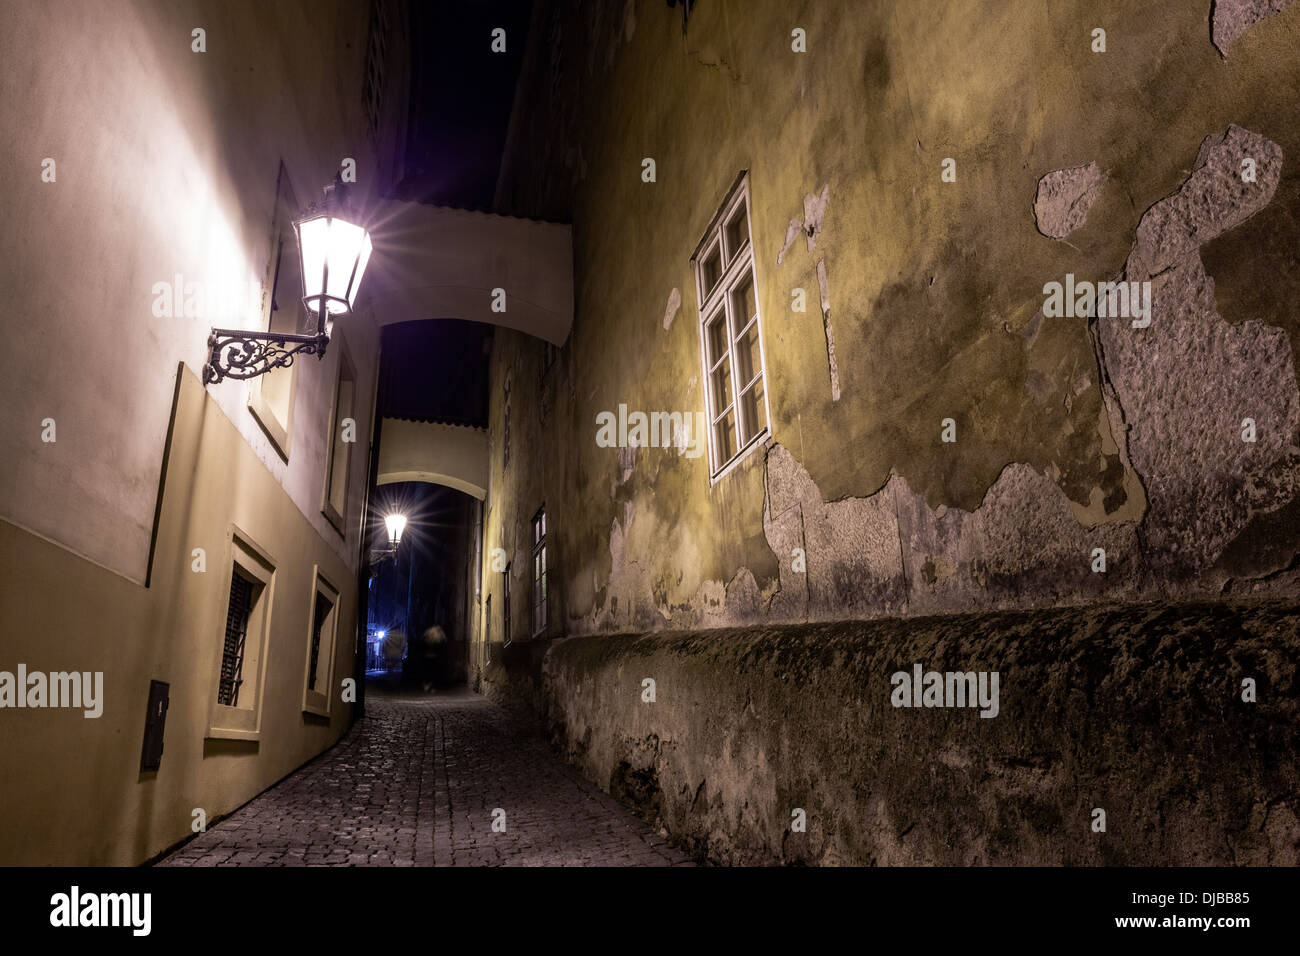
[[539, 571], [236, 712], [322, 629], [731, 335]]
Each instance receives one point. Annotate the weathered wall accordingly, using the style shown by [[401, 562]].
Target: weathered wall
[[1073, 433], [1136, 710]]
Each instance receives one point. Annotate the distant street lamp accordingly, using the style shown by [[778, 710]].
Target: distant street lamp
[[396, 524], [334, 252]]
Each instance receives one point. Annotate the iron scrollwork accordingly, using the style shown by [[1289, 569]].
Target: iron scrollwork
[[237, 354]]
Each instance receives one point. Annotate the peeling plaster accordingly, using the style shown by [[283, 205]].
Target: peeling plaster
[[1064, 197], [792, 232], [1174, 395], [1183, 386], [890, 554], [823, 286], [814, 211], [672, 308], [1229, 19]]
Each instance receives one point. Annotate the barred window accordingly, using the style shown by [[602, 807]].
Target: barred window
[[320, 615], [238, 611]]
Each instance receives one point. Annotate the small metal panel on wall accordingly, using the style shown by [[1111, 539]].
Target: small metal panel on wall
[[154, 722]]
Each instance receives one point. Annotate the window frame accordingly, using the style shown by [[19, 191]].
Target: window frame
[[319, 701], [505, 606], [717, 302], [541, 595], [243, 722], [345, 365], [284, 242]]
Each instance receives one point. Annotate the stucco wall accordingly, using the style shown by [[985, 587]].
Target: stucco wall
[[73, 792], [166, 164], [1072, 433], [165, 170]]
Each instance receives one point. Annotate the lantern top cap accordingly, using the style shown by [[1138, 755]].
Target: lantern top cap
[[338, 201]]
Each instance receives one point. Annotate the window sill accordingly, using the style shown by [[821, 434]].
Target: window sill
[[314, 702], [758, 441], [270, 425]]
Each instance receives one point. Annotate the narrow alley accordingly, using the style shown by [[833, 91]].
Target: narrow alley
[[416, 783]]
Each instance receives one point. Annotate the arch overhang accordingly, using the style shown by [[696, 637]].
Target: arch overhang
[[441, 454], [432, 262]]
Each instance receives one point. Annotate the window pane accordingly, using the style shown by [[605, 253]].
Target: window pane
[[721, 387], [342, 449], [319, 616], [749, 360], [753, 412], [725, 434], [743, 305], [711, 269], [717, 336], [737, 232]]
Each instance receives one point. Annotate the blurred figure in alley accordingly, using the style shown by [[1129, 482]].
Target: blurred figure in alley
[[434, 639]]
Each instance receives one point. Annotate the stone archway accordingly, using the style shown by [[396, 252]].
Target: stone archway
[[441, 454]]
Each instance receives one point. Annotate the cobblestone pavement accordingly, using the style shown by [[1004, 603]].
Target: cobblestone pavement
[[419, 782]]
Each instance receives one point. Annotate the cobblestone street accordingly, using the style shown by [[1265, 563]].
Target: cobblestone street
[[416, 783]]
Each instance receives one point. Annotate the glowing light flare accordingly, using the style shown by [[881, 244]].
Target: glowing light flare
[[396, 524], [334, 254]]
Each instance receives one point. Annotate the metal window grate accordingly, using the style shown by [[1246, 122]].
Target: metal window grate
[[323, 608], [232, 655]]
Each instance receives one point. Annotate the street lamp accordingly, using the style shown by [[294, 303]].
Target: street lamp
[[334, 252], [396, 524]]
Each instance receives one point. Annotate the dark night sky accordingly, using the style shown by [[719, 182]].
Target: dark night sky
[[461, 94], [435, 371], [461, 97]]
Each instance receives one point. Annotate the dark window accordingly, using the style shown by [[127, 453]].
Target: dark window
[[478, 550], [232, 656], [372, 91], [322, 613], [539, 571], [505, 608]]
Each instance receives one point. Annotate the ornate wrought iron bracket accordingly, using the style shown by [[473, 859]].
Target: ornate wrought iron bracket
[[239, 354]]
